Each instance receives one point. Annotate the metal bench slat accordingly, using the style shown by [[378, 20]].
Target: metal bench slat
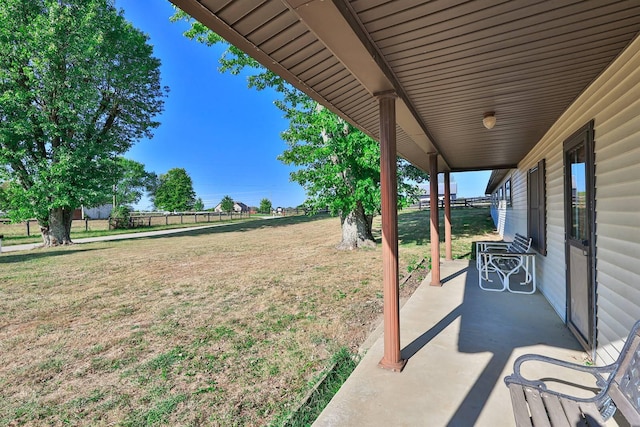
[[555, 410]]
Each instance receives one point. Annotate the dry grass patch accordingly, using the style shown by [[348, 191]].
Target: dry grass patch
[[224, 326]]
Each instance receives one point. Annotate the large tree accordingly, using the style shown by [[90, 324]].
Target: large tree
[[265, 206], [338, 165], [132, 181], [226, 205], [198, 206], [174, 191], [78, 86]]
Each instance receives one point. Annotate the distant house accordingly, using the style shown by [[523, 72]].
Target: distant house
[[425, 191], [238, 207]]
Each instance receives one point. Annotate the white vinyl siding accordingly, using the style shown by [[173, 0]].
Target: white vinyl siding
[[613, 101], [617, 136]]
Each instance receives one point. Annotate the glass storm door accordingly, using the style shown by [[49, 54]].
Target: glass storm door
[[579, 242]]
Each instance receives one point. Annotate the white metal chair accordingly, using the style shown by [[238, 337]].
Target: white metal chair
[[506, 259]]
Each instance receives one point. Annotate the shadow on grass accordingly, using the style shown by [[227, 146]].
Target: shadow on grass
[[38, 253], [239, 226]]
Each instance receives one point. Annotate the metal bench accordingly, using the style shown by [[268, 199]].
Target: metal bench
[[506, 259], [618, 387]]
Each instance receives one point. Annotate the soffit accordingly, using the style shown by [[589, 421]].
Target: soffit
[[449, 61]]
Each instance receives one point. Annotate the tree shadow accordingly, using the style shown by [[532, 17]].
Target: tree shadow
[[208, 228], [252, 225], [40, 253]]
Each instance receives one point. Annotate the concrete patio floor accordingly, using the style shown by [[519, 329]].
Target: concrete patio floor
[[459, 342]]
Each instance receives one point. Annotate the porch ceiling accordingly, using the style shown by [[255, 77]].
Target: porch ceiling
[[449, 61]]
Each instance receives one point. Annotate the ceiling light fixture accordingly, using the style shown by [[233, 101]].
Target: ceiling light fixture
[[489, 120]]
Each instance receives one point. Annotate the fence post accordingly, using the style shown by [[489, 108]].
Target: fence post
[[86, 224], [149, 220], [181, 218], [195, 218], [220, 216], [208, 216], [28, 231]]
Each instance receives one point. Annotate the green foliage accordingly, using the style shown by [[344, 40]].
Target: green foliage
[[265, 206], [326, 386], [121, 212], [338, 165], [132, 181], [175, 191], [414, 264], [78, 86], [198, 206], [120, 217], [226, 204]]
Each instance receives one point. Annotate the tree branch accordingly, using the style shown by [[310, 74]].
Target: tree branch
[[113, 113]]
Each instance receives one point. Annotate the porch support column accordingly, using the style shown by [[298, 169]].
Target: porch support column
[[433, 210], [447, 216], [389, 195]]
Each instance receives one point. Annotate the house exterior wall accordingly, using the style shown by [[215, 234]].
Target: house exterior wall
[[237, 207], [613, 101]]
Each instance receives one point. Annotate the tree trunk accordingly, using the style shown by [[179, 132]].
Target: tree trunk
[[58, 230], [356, 230]]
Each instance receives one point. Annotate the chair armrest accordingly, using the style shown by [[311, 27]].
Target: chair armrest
[[492, 243], [491, 248], [509, 254]]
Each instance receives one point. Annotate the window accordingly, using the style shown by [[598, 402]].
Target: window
[[507, 191], [536, 208], [500, 195]]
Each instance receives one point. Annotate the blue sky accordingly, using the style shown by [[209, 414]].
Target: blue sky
[[225, 135]]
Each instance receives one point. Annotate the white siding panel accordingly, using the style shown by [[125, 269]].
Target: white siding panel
[[627, 271], [618, 218], [608, 350], [517, 222], [621, 232], [620, 295], [613, 167], [617, 136], [618, 190]]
